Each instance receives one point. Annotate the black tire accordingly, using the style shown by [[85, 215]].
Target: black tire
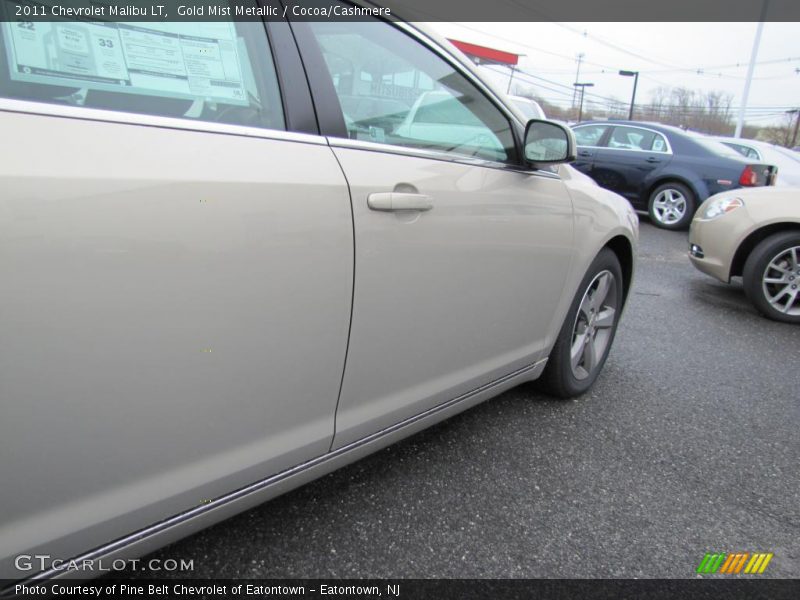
[[777, 248], [685, 205], [559, 378]]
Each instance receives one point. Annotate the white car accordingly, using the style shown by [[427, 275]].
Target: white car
[[787, 161], [529, 108]]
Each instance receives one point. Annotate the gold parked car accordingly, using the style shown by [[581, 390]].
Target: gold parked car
[[218, 287], [754, 234]]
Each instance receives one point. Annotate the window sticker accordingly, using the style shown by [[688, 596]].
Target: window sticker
[[177, 60]]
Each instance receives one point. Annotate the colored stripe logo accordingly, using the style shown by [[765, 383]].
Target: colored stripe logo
[[732, 563]]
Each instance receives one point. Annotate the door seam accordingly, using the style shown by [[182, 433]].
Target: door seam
[[352, 298]]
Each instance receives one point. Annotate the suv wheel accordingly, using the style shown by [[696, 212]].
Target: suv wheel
[[772, 277], [671, 206]]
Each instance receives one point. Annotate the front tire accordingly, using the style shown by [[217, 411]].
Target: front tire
[[772, 277], [671, 206], [588, 331]]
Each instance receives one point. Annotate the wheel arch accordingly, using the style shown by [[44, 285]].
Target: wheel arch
[[622, 247], [753, 239]]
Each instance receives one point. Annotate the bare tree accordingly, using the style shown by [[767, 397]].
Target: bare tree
[[707, 112], [656, 110], [778, 134]]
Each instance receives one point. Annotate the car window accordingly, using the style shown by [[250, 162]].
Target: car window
[[211, 71], [589, 135], [752, 153], [659, 144], [746, 151], [415, 98], [631, 138]]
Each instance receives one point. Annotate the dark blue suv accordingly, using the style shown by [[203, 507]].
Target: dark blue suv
[[661, 169]]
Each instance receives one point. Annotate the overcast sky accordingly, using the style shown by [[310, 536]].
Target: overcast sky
[[666, 54]]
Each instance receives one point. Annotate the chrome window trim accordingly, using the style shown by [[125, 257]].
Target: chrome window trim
[[336, 142], [531, 370], [637, 150], [126, 118]]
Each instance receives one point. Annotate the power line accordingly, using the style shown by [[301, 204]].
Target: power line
[[535, 80], [673, 109], [617, 47], [771, 116], [702, 71], [772, 61], [529, 47], [529, 75]]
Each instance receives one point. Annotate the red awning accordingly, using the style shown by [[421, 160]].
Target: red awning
[[486, 54]]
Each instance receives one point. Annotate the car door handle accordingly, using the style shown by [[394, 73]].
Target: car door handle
[[399, 201], [653, 159], [584, 153]]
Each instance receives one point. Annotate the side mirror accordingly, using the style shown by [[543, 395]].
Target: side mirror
[[548, 143]]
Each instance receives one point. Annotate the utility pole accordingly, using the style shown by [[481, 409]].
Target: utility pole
[[748, 80], [582, 87], [577, 78]]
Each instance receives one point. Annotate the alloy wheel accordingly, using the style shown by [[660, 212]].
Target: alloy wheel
[[594, 324], [781, 281], [669, 206]]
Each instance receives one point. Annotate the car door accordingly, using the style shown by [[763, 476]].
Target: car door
[[177, 283], [460, 256], [590, 139], [630, 157]]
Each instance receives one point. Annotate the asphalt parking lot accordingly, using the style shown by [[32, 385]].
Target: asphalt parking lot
[[688, 444]]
